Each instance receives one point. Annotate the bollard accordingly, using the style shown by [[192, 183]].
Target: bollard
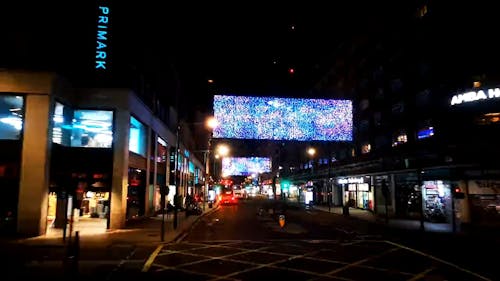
[[282, 221], [72, 256]]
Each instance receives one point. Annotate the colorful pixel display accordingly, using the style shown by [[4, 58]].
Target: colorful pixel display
[[271, 118], [245, 166]]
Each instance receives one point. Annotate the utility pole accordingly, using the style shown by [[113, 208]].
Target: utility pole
[[176, 179]]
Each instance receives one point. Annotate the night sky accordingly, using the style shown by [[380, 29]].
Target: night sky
[[246, 47]]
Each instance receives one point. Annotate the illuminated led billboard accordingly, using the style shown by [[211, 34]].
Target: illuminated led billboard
[[245, 166], [270, 118]]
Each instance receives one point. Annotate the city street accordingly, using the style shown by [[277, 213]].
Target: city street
[[246, 242], [236, 243]]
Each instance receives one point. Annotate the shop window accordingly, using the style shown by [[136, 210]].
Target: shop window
[[400, 138], [437, 201], [137, 138], [366, 148], [58, 119], [425, 133], [92, 128], [488, 118], [11, 117], [162, 151], [82, 128], [422, 11]]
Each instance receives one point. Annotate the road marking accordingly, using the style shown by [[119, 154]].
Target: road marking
[[360, 262], [421, 274], [438, 259], [152, 258], [271, 264]]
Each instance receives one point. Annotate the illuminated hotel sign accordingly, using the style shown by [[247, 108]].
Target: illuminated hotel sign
[[475, 96], [350, 180], [101, 52]]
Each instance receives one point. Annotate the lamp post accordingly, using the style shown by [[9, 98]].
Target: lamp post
[[176, 177], [222, 150], [312, 151], [211, 123]]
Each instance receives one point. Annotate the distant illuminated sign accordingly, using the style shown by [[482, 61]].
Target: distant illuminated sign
[[350, 180], [475, 96], [425, 133], [101, 52]]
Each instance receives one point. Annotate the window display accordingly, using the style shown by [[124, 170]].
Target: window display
[[92, 128], [437, 201], [137, 139], [82, 128], [11, 117]]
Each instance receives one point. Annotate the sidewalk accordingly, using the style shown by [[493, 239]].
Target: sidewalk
[[392, 222], [143, 231]]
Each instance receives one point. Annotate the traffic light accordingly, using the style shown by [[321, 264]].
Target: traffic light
[[457, 193]]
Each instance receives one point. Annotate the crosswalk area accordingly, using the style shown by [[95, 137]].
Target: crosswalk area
[[362, 259]]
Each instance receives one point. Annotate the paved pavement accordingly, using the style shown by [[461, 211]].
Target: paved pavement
[[100, 255], [392, 222]]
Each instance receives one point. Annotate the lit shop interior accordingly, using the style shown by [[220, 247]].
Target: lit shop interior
[[358, 192], [11, 123], [81, 167], [437, 201]]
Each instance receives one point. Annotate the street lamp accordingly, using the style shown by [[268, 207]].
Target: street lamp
[[221, 151], [312, 151], [211, 123]]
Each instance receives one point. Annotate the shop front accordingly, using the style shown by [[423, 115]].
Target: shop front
[[407, 196], [81, 203], [484, 198], [436, 197], [358, 192]]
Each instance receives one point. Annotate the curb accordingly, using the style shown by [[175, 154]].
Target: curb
[[179, 237]]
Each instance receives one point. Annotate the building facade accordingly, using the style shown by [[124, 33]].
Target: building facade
[[99, 155], [426, 119]]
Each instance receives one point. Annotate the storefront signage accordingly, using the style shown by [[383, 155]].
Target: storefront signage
[[350, 180], [101, 52], [474, 96]]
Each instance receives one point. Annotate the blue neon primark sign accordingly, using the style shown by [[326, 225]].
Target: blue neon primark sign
[[102, 46]]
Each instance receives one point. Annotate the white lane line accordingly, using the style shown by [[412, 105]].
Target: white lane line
[[361, 266], [439, 260], [263, 265], [209, 258], [122, 262], [361, 261]]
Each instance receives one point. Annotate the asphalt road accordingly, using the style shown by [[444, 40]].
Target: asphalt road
[[246, 242], [243, 242]]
